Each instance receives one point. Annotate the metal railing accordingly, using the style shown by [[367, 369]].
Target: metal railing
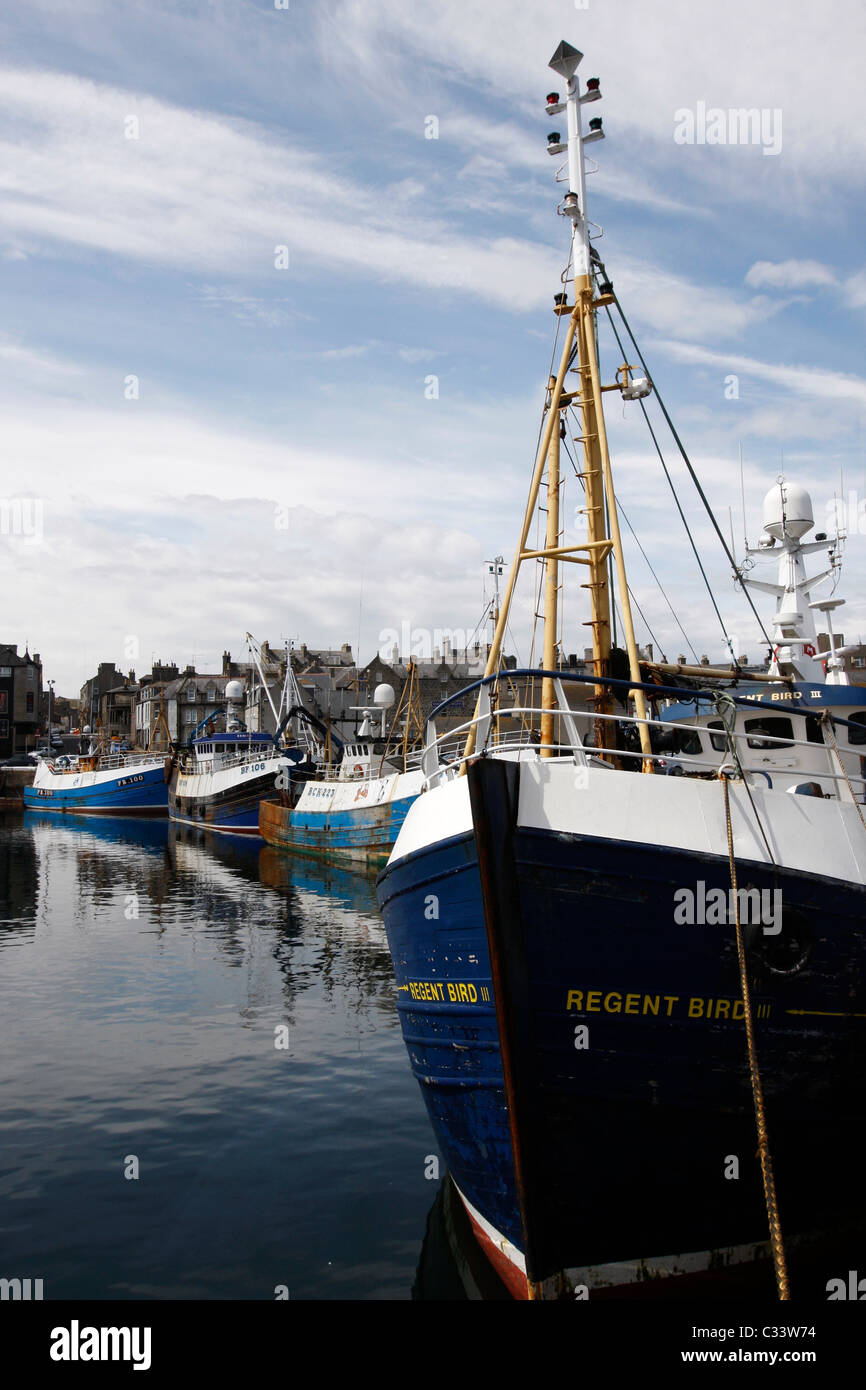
[[444, 754]]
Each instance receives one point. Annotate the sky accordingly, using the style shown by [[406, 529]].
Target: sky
[[277, 280]]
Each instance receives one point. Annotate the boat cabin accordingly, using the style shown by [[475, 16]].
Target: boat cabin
[[215, 751], [782, 742]]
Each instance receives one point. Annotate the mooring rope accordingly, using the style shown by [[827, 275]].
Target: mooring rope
[[773, 1221]]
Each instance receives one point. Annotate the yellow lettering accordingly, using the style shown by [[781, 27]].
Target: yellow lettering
[[593, 1008], [575, 995], [612, 1008], [473, 994], [464, 994], [628, 1003], [670, 1000], [723, 1004], [696, 1008], [651, 1004], [738, 1004], [452, 993]]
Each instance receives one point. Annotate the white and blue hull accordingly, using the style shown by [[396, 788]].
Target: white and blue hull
[[139, 789]]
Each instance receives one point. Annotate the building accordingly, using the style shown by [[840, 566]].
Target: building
[[150, 697], [20, 700], [190, 699]]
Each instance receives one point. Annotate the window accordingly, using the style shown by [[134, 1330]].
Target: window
[[211, 694], [190, 694], [29, 701], [189, 716], [773, 727], [4, 728], [719, 741], [687, 741], [857, 737]]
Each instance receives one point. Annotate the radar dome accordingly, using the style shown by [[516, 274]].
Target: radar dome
[[235, 690], [86, 729], [384, 695], [788, 511]]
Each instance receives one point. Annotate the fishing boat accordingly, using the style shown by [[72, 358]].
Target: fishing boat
[[353, 813], [220, 777], [630, 968], [101, 783]]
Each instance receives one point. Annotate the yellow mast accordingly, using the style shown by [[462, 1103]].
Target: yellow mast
[[551, 585], [597, 475]]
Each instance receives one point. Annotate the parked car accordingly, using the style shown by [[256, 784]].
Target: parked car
[[17, 760]]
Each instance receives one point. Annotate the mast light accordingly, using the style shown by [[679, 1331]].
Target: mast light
[[637, 388], [570, 205], [554, 143], [593, 90], [565, 60], [554, 105], [595, 131]]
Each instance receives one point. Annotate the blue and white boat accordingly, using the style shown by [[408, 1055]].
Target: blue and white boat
[[636, 1003], [105, 784], [353, 814], [220, 778]]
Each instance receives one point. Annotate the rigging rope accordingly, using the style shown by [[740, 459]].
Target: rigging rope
[[693, 475], [770, 1200]]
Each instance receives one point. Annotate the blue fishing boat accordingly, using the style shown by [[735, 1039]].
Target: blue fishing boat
[[353, 814], [630, 955], [104, 784]]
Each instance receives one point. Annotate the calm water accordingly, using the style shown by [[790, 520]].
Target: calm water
[[153, 1036]]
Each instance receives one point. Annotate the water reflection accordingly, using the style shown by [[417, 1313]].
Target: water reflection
[[145, 970]]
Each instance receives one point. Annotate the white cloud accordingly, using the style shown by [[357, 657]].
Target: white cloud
[[789, 275], [201, 192], [802, 381]]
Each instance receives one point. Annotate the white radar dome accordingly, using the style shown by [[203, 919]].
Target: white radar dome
[[383, 695], [788, 509], [235, 690]]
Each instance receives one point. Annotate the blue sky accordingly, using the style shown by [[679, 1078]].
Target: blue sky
[[300, 392]]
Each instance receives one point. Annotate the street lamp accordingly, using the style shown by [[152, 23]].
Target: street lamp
[[50, 694]]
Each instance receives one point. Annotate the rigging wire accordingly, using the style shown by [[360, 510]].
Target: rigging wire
[[670, 483], [615, 612], [692, 474]]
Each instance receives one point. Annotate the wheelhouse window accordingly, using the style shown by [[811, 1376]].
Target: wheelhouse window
[[687, 741], [719, 741], [762, 732], [857, 737]]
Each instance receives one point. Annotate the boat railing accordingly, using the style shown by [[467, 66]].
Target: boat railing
[[445, 754], [105, 762]]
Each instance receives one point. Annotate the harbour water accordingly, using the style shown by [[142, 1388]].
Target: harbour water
[[148, 974]]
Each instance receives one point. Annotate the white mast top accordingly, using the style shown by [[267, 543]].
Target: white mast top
[[565, 62], [788, 517]]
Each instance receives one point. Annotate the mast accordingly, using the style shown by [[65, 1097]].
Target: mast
[[597, 476], [551, 568]]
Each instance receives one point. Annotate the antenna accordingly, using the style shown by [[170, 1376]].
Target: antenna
[[743, 502]]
